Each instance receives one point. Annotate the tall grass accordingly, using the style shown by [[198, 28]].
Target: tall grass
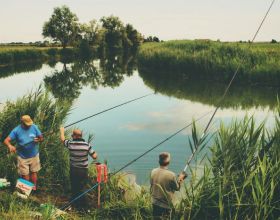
[[242, 179], [214, 61]]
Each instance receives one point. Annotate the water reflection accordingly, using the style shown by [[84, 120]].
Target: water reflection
[[109, 71], [6, 71], [209, 93]]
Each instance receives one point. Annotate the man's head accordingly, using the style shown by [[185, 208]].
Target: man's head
[[164, 159], [77, 134], [26, 121]]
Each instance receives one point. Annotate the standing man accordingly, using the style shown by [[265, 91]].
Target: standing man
[[163, 185], [26, 135], [79, 150]]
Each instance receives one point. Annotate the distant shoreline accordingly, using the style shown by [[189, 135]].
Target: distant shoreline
[[214, 60]]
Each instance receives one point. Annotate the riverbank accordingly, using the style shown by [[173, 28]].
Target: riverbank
[[214, 61], [240, 178], [16, 55]]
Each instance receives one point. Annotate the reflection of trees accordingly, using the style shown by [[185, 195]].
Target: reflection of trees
[[109, 71], [10, 70], [206, 92], [64, 84]]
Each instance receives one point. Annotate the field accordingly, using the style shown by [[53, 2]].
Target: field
[[259, 63]]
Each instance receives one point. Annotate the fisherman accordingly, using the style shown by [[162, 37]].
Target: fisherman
[[27, 136], [79, 150], [163, 185]]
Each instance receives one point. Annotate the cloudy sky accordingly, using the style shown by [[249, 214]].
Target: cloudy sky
[[226, 20]]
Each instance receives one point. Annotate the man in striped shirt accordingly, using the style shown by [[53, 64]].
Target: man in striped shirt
[[79, 151]]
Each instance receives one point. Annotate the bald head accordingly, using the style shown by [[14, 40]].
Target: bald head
[[77, 133]]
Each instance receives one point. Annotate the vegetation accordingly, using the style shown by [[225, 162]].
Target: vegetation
[[214, 61], [242, 179], [110, 35], [13, 56]]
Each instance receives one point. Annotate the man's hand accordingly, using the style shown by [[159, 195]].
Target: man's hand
[[12, 149], [182, 176], [94, 156], [36, 140]]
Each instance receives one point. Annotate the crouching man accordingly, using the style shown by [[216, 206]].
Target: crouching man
[[79, 150], [163, 185]]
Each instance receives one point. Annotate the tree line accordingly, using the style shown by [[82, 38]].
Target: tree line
[[107, 34]]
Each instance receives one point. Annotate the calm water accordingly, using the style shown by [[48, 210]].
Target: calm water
[[122, 134]]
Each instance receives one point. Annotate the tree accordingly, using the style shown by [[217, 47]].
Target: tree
[[135, 38], [92, 32], [113, 32], [63, 26], [151, 39]]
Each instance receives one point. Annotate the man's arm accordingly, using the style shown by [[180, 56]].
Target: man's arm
[[11, 148], [62, 136]]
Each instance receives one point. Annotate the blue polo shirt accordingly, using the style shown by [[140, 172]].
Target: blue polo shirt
[[22, 137]]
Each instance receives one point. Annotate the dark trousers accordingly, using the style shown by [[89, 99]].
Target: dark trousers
[[78, 179], [161, 213]]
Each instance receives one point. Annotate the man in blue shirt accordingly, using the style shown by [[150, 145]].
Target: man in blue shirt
[[26, 135]]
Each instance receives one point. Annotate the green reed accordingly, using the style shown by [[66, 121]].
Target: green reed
[[216, 61]]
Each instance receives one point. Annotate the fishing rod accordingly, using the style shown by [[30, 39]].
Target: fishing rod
[[134, 160], [201, 140], [91, 116]]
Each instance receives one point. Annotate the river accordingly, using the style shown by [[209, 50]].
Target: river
[[122, 134]]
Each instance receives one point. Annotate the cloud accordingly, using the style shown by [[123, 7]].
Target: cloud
[[172, 119]]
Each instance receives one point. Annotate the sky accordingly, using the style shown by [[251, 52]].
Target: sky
[[227, 20]]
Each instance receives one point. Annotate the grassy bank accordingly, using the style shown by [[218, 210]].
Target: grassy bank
[[240, 180], [13, 55], [215, 61]]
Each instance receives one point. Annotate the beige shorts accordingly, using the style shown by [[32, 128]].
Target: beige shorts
[[25, 166]]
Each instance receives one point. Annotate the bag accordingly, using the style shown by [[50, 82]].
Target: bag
[[24, 188]]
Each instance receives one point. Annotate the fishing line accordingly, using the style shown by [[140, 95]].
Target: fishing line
[[88, 117], [227, 88], [134, 160], [205, 130]]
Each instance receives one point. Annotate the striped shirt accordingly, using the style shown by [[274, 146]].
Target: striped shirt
[[79, 151]]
